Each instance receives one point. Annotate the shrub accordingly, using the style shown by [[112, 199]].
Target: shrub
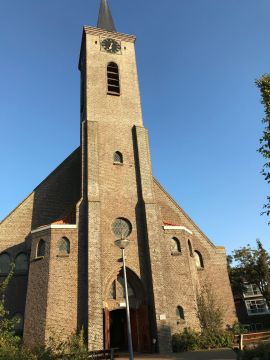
[[185, 341], [190, 340], [262, 352]]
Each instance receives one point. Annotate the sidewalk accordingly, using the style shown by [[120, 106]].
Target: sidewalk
[[226, 354]]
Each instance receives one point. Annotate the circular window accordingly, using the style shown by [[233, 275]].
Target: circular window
[[121, 228]]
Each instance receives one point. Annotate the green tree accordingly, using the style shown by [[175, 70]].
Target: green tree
[[264, 85], [209, 312], [251, 265]]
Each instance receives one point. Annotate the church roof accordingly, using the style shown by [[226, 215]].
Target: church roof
[[105, 20]]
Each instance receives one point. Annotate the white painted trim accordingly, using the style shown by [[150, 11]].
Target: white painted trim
[[176, 227], [54, 226]]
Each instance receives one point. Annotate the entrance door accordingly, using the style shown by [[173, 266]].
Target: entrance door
[[118, 329]]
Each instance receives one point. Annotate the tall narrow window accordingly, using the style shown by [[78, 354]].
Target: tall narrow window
[[113, 79], [41, 248], [190, 248], [198, 260], [117, 158]]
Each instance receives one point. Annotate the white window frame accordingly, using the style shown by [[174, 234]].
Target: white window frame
[[252, 290], [255, 302]]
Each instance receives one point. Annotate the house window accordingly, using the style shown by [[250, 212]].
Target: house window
[[18, 326], [64, 246], [121, 228], [190, 248], [255, 307], [251, 290], [113, 79], [117, 158], [4, 264], [21, 263], [180, 313], [175, 246], [41, 248], [198, 260]]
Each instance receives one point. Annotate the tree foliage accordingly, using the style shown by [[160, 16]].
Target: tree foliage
[[209, 312], [252, 266], [264, 85]]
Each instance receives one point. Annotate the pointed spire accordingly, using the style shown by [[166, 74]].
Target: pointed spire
[[105, 20]]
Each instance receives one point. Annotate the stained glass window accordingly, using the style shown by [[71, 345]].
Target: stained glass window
[[118, 158], [121, 228]]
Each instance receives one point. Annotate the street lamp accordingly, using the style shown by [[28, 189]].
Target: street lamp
[[122, 244]]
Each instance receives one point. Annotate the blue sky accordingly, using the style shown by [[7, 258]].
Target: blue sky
[[197, 63]]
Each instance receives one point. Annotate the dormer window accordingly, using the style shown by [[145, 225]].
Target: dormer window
[[113, 79]]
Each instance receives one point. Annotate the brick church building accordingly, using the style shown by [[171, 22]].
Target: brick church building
[[68, 271]]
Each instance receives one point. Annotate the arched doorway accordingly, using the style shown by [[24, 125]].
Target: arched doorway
[[115, 330]]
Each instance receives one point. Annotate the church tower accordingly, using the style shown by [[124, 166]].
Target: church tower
[[68, 273], [117, 186]]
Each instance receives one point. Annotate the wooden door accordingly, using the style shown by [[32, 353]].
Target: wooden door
[[143, 329]]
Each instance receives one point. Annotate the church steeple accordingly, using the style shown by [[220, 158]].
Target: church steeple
[[105, 20]]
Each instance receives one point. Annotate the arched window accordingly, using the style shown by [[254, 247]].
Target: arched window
[[180, 313], [118, 158], [21, 263], [113, 79], [175, 246], [4, 264], [18, 323], [198, 260], [64, 246], [121, 288], [190, 248], [41, 248]]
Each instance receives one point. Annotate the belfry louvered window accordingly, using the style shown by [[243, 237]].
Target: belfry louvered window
[[113, 79]]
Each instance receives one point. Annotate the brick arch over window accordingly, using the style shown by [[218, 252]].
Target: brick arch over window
[[113, 81], [198, 259], [175, 245], [5, 263], [118, 157], [21, 263], [41, 248], [64, 246]]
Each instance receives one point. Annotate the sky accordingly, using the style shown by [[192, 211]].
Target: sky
[[197, 63]]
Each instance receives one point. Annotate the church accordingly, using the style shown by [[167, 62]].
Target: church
[[68, 271]]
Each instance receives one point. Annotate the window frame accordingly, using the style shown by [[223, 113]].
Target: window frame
[[178, 246], [38, 256], [67, 254]]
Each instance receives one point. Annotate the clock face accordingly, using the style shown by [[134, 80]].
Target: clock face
[[110, 45]]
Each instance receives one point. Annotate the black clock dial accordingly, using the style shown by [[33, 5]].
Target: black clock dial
[[111, 45]]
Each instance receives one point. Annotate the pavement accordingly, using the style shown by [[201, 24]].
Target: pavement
[[225, 354]]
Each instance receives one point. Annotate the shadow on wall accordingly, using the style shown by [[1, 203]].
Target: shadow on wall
[[56, 197]]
